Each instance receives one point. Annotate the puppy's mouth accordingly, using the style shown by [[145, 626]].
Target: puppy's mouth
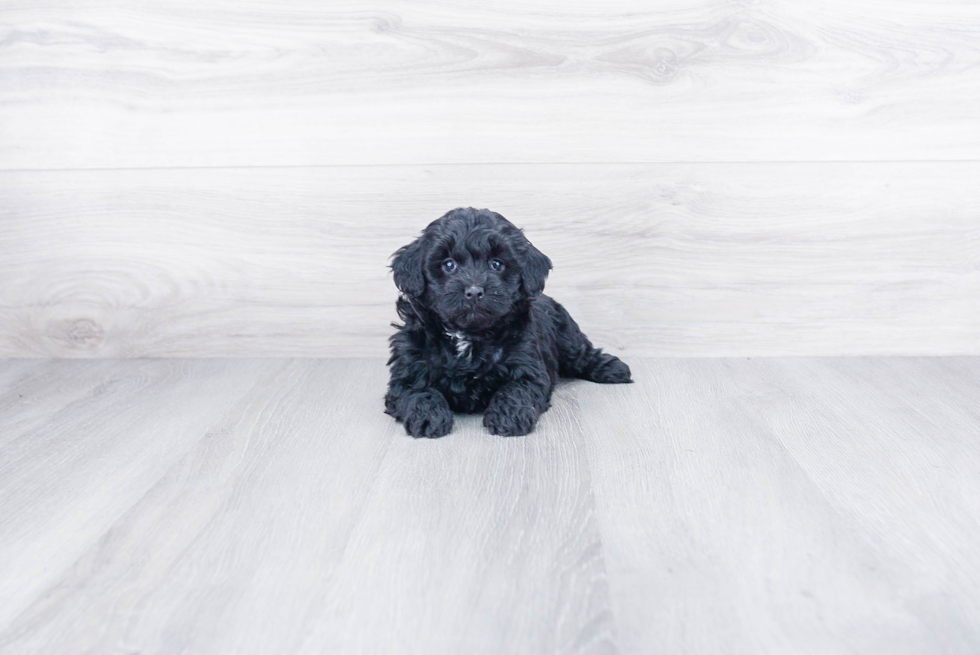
[[473, 319]]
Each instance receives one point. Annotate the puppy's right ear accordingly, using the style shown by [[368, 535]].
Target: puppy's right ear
[[407, 267], [536, 267]]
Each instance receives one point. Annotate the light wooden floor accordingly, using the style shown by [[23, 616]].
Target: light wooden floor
[[268, 506]]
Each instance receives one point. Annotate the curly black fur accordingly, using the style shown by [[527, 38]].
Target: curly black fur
[[478, 334]]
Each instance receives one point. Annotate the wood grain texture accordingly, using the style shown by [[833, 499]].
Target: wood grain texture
[[107, 84], [307, 521], [475, 544], [791, 505], [94, 455], [258, 506], [243, 533], [657, 259]]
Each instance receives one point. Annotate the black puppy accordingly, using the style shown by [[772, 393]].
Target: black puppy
[[479, 335]]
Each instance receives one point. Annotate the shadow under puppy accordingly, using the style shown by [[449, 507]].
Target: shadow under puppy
[[478, 334]]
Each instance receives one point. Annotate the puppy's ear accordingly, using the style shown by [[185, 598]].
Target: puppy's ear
[[407, 267], [535, 271]]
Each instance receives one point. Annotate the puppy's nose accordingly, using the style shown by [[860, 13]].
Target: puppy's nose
[[474, 292]]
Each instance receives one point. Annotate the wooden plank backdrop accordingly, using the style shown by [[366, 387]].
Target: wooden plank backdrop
[[651, 259], [111, 83], [710, 177]]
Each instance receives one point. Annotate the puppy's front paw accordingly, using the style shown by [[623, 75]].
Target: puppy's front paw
[[429, 417], [611, 370], [509, 418]]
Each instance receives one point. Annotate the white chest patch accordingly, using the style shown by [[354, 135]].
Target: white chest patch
[[461, 343]]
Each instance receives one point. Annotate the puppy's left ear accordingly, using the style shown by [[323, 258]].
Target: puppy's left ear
[[536, 267], [407, 267]]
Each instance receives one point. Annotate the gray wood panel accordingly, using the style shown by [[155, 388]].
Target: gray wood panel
[[791, 505], [257, 506], [293, 524], [656, 259], [109, 83], [474, 544], [240, 533], [67, 478]]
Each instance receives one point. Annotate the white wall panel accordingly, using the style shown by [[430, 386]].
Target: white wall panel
[[653, 259], [113, 83]]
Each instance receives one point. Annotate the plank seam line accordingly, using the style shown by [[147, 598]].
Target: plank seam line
[[484, 164]]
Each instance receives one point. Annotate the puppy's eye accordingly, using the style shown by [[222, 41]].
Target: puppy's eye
[[496, 265], [449, 266]]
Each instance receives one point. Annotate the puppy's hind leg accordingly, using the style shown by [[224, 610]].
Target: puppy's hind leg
[[578, 358]]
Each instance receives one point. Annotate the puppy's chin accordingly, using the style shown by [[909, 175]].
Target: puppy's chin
[[472, 320]]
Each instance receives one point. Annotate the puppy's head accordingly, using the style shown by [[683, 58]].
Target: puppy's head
[[471, 267]]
